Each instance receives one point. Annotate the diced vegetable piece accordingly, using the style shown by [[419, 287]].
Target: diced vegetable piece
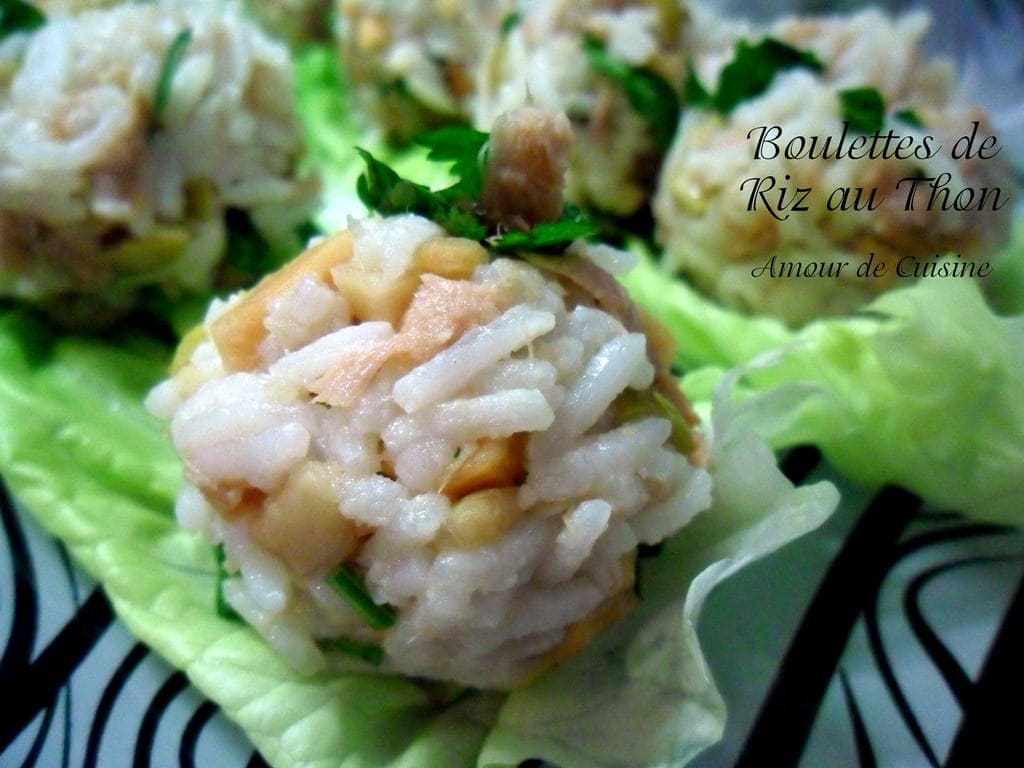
[[239, 331], [452, 257], [481, 517], [303, 525], [374, 296], [492, 464]]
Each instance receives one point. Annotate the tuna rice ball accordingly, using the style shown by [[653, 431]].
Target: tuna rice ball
[[430, 457], [137, 143], [713, 208]]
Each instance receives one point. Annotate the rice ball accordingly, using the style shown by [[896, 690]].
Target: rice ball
[[420, 455], [140, 145], [717, 208]]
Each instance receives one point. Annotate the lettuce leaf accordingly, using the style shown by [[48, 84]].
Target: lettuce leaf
[[80, 452], [923, 389]]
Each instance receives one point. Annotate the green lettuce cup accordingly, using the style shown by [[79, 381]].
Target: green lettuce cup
[[97, 471], [921, 389]]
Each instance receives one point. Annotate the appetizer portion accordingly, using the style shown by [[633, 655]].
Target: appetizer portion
[[748, 203], [413, 65], [145, 146], [433, 456], [616, 69], [427, 457]]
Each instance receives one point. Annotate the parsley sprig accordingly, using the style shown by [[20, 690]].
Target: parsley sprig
[[649, 94], [749, 74], [754, 67], [456, 207]]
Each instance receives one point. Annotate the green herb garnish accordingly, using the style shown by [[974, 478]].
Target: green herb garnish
[[384, 191], [648, 93], [464, 148], [19, 16], [548, 236], [455, 207], [224, 609], [751, 71], [368, 652], [510, 22], [172, 60], [910, 117], [349, 584], [863, 109]]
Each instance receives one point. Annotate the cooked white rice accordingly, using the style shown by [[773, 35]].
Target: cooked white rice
[[490, 480], [701, 206], [99, 195]]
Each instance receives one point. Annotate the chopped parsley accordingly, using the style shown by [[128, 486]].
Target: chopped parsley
[[648, 93], [349, 584], [455, 207], [224, 609], [910, 117], [173, 57], [548, 236], [863, 109], [368, 652], [749, 74], [19, 16], [510, 22]]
